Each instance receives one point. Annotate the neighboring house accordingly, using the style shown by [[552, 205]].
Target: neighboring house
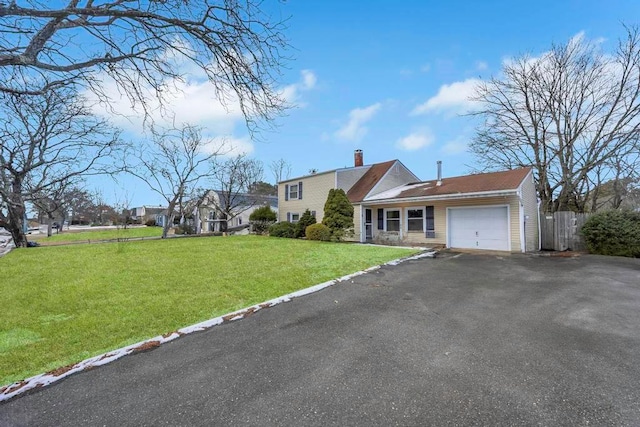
[[209, 214], [145, 213], [496, 211]]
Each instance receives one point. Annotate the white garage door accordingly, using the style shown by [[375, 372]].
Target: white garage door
[[479, 228]]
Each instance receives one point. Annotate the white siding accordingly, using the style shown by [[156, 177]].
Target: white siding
[[397, 175], [346, 178], [530, 202]]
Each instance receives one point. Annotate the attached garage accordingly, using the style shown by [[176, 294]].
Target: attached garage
[[482, 227], [495, 211]]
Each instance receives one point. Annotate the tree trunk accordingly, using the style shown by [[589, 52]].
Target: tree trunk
[[49, 225], [168, 220], [16, 212]]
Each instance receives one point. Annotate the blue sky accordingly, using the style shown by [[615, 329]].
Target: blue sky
[[391, 78]]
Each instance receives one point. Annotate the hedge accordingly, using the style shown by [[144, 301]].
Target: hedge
[[613, 233]]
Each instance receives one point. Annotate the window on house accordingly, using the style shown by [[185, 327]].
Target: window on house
[[393, 220], [415, 219], [293, 191], [212, 215], [295, 217]]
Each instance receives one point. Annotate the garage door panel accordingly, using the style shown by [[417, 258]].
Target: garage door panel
[[479, 228]]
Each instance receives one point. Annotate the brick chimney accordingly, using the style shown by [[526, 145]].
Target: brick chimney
[[357, 158]]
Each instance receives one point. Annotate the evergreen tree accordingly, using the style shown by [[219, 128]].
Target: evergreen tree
[[262, 218], [305, 220], [338, 214]]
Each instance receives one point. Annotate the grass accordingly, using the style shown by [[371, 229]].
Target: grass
[[94, 235], [68, 303]]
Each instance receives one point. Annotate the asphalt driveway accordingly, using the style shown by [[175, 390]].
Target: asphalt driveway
[[473, 339]]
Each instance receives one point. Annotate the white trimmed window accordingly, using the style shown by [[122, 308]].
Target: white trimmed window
[[392, 220], [415, 219], [295, 217], [293, 192]]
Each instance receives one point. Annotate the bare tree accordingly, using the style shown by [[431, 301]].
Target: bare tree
[[138, 44], [234, 179], [46, 140], [281, 169], [569, 114], [173, 166], [122, 204], [54, 202]]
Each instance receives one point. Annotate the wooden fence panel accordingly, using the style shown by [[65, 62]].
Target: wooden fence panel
[[561, 231], [578, 239], [546, 232]]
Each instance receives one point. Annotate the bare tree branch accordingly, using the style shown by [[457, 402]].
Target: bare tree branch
[[46, 141], [573, 115], [233, 180], [173, 165], [281, 169], [139, 43]]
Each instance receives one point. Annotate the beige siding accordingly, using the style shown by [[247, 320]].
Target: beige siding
[[357, 220], [530, 202], [440, 213], [315, 190], [396, 176]]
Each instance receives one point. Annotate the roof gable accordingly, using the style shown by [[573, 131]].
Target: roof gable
[[364, 185]]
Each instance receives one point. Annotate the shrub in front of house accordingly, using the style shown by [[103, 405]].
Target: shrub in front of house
[[318, 232], [613, 233], [338, 214], [185, 229], [283, 229], [261, 219], [150, 223], [305, 220]]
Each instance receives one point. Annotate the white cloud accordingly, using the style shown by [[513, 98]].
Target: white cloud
[[189, 101], [452, 97], [415, 141], [291, 93], [456, 146], [355, 128], [192, 100], [425, 68], [481, 66], [309, 79]]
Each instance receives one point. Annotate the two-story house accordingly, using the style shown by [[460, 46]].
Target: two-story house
[[142, 214], [496, 211], [311, 191], [209, 213]]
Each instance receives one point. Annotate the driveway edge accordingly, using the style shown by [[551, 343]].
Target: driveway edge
[[42, 380]]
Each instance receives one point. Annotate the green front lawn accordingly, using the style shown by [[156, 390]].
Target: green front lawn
[[67, 303], [95, 235]]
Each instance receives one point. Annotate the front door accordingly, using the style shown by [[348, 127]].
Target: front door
[[368, 226]]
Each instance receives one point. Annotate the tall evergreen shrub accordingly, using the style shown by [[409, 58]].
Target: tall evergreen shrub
[[338, 214]]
